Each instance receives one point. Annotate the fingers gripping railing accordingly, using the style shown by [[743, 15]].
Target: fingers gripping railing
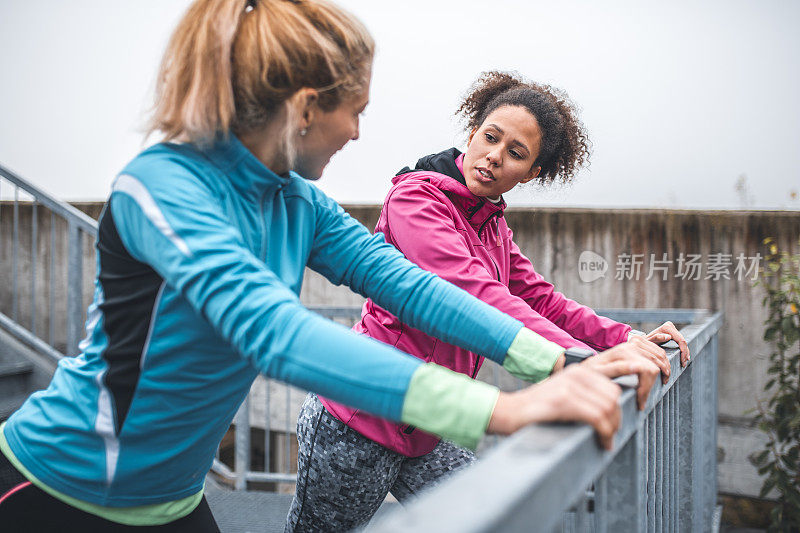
[[54, 297], [661, 475]]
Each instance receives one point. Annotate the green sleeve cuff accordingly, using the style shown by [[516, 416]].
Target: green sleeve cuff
[[449, 404], [531, 357]]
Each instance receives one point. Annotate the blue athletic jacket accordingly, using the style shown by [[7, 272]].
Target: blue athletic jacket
[[201, 255]]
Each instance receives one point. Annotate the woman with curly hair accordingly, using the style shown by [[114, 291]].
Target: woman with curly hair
[[446, 215]]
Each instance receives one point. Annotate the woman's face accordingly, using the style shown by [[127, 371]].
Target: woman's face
[[328, 133], [501, 152]]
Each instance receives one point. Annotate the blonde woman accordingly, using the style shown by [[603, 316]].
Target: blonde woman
[[201, 252]]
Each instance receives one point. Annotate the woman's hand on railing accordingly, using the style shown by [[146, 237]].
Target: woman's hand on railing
[[637, 356], [667, 331], [578, 394]]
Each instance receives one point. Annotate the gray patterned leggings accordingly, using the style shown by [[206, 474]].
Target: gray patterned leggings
[[343, 477]]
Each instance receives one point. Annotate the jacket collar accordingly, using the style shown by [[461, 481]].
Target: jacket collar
[[445, 171], [245, 171]]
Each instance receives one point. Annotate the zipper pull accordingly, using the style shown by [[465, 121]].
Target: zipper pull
[[499, 241]]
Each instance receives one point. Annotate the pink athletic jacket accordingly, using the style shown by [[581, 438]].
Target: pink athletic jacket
[[431, 216]]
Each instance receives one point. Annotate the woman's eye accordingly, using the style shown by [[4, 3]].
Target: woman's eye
[[515, 154], [490, 137]]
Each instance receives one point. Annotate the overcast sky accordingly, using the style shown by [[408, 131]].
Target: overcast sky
[[688, 104]]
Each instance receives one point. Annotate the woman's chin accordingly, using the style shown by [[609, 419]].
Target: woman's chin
[[309, 173], [478, 189]]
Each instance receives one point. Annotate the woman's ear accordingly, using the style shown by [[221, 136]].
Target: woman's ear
[[305, 104], [533, 173], [471, 135]]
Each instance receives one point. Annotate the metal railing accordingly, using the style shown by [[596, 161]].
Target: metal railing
[[660, 476], [51, 324], [272, 406]]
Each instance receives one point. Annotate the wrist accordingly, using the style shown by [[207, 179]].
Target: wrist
[[502, 420], [635, 332], [560, 364], [514, 410]]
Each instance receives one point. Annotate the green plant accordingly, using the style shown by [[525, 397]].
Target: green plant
[[778, 415]]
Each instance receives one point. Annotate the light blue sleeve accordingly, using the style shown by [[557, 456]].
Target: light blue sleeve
[[346, 253], [173, 223]]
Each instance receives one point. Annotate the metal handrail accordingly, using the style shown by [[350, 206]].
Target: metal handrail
[[660, 476], [61, 208], [78, 225], [239, 474]]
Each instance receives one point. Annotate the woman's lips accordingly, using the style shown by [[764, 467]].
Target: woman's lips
[[483, 175]]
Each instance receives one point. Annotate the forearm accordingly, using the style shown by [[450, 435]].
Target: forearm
[[449, 404], [459, 408], [417, 297], [573, 318], [582, 323]]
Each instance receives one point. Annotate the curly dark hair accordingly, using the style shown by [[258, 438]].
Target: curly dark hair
[[565, 143]]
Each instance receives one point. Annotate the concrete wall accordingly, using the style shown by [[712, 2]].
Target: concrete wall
[[554, 240]]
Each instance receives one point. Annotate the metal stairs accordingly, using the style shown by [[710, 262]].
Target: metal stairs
[[22, 371]]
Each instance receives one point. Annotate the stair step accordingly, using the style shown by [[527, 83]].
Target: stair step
[[9, 404]]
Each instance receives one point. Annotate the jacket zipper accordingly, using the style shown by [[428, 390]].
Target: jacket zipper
[[263, 250], [495, 214], [496, 270], [475, 370]]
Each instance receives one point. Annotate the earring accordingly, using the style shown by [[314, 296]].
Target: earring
[[303, 132]]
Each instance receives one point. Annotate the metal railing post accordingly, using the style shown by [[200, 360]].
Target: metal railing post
[[709, 420], [673, 458], [52, 282], [267, 427], [621, 497], [659, 509], [241, 445], [74, 287], [687, 440], [288, 430], [15, 258], [650, 428], [34, 263]]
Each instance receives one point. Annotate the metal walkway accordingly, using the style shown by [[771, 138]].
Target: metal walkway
[[262, 512]]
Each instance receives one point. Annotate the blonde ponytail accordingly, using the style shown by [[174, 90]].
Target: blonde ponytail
[[230, 64]]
